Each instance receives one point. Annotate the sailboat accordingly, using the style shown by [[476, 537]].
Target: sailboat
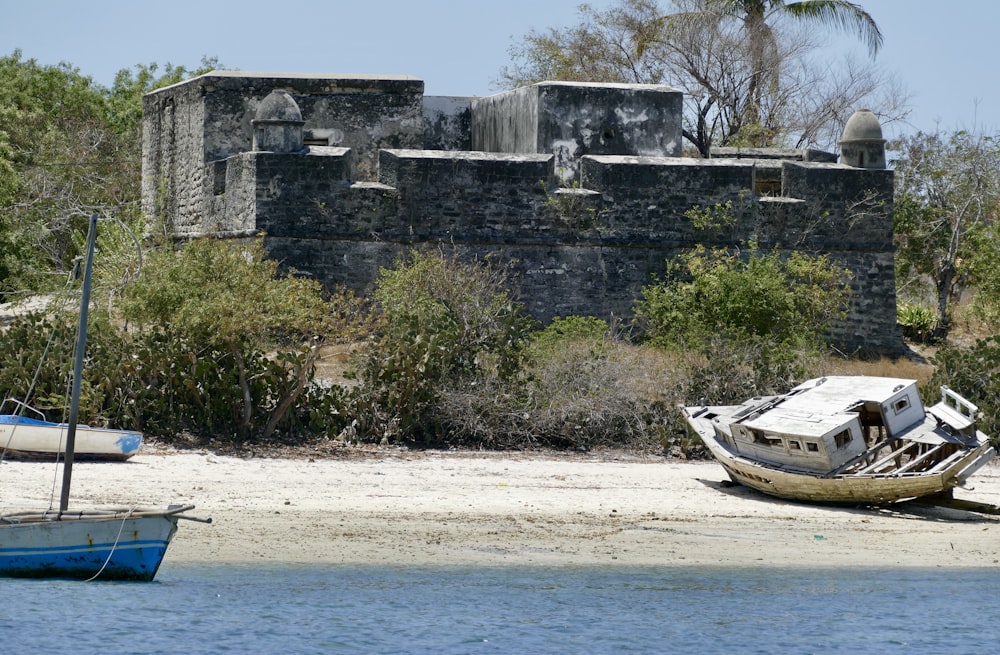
[[115, 544]]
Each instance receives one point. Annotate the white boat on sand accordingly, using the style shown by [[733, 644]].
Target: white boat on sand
[[32, 437], [846, 439]]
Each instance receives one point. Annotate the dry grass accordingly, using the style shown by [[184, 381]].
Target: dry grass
[[885, 367], [335, 361]]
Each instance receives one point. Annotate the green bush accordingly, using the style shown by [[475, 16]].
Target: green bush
[[228, 345], [217, 344], [443, 321], [164, 383], [743, 323], [36, 365], [974, 372], [751, 294], [587, 331], [918, 321]]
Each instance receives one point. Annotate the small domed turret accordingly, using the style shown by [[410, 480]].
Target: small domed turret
[[278, 124], [862, 145]]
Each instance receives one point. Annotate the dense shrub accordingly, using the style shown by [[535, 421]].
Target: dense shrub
[[743, 295], [229, 346], [36, 364], [443, 322], [734, 370], [743, 324], [218, 345], [918, 321], [974, 372], [580, 386]]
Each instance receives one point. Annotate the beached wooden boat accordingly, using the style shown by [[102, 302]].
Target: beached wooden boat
[[126, 544], [846, 439], [27, 437]]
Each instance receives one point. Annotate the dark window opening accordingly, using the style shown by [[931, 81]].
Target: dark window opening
[[842, 438]]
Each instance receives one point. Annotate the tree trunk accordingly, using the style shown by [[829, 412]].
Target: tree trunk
[[946, 277], [247, 414], [301, 378]]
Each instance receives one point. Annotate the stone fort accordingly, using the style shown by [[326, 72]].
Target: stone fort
[[582, 187]]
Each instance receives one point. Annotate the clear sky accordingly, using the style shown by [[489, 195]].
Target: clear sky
[[946, 53]]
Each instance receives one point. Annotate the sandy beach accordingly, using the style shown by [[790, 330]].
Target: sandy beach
[[396, 507]]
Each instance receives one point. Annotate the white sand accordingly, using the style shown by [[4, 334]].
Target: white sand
[[444, 509]]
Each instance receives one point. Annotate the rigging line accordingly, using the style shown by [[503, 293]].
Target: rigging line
[[125, 518]]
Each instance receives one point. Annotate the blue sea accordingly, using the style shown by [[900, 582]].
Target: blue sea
[[271, 608]]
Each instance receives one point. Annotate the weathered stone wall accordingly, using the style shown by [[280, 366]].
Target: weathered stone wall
[[582, 252], [173, 171], [573, 119], [361, 193], [447, 123], [189, 127], [506, 122]]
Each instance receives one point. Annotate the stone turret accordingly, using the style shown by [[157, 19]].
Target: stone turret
[[862, 145], [277, 126]]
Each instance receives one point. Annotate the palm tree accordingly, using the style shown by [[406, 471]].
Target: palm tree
[[755, 15]]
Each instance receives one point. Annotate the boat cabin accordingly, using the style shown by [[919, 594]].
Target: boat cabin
[[824, 423]]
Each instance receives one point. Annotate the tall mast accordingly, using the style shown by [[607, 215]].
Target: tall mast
[[81, 345]]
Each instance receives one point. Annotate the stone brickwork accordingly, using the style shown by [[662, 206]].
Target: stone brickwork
[[382, 169]]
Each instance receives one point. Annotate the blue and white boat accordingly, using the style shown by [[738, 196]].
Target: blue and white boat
[[124, 544], [28, 437]]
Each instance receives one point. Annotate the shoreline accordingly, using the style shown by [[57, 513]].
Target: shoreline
[[496, 509]]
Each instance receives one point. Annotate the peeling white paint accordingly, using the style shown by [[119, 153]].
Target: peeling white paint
[[628, 117]]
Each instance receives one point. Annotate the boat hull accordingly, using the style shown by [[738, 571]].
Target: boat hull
[[847, 488], [106, 547], [27, 438], [860, 489]]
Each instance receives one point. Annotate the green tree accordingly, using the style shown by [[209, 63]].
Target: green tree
[[946, 203], [743, 295], [230, 312], [124, 98], [973, 371], [748, 69], [53, 170], [68, 148], [984, 273]]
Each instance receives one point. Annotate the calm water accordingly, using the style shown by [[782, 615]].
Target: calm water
[[322, 609]]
